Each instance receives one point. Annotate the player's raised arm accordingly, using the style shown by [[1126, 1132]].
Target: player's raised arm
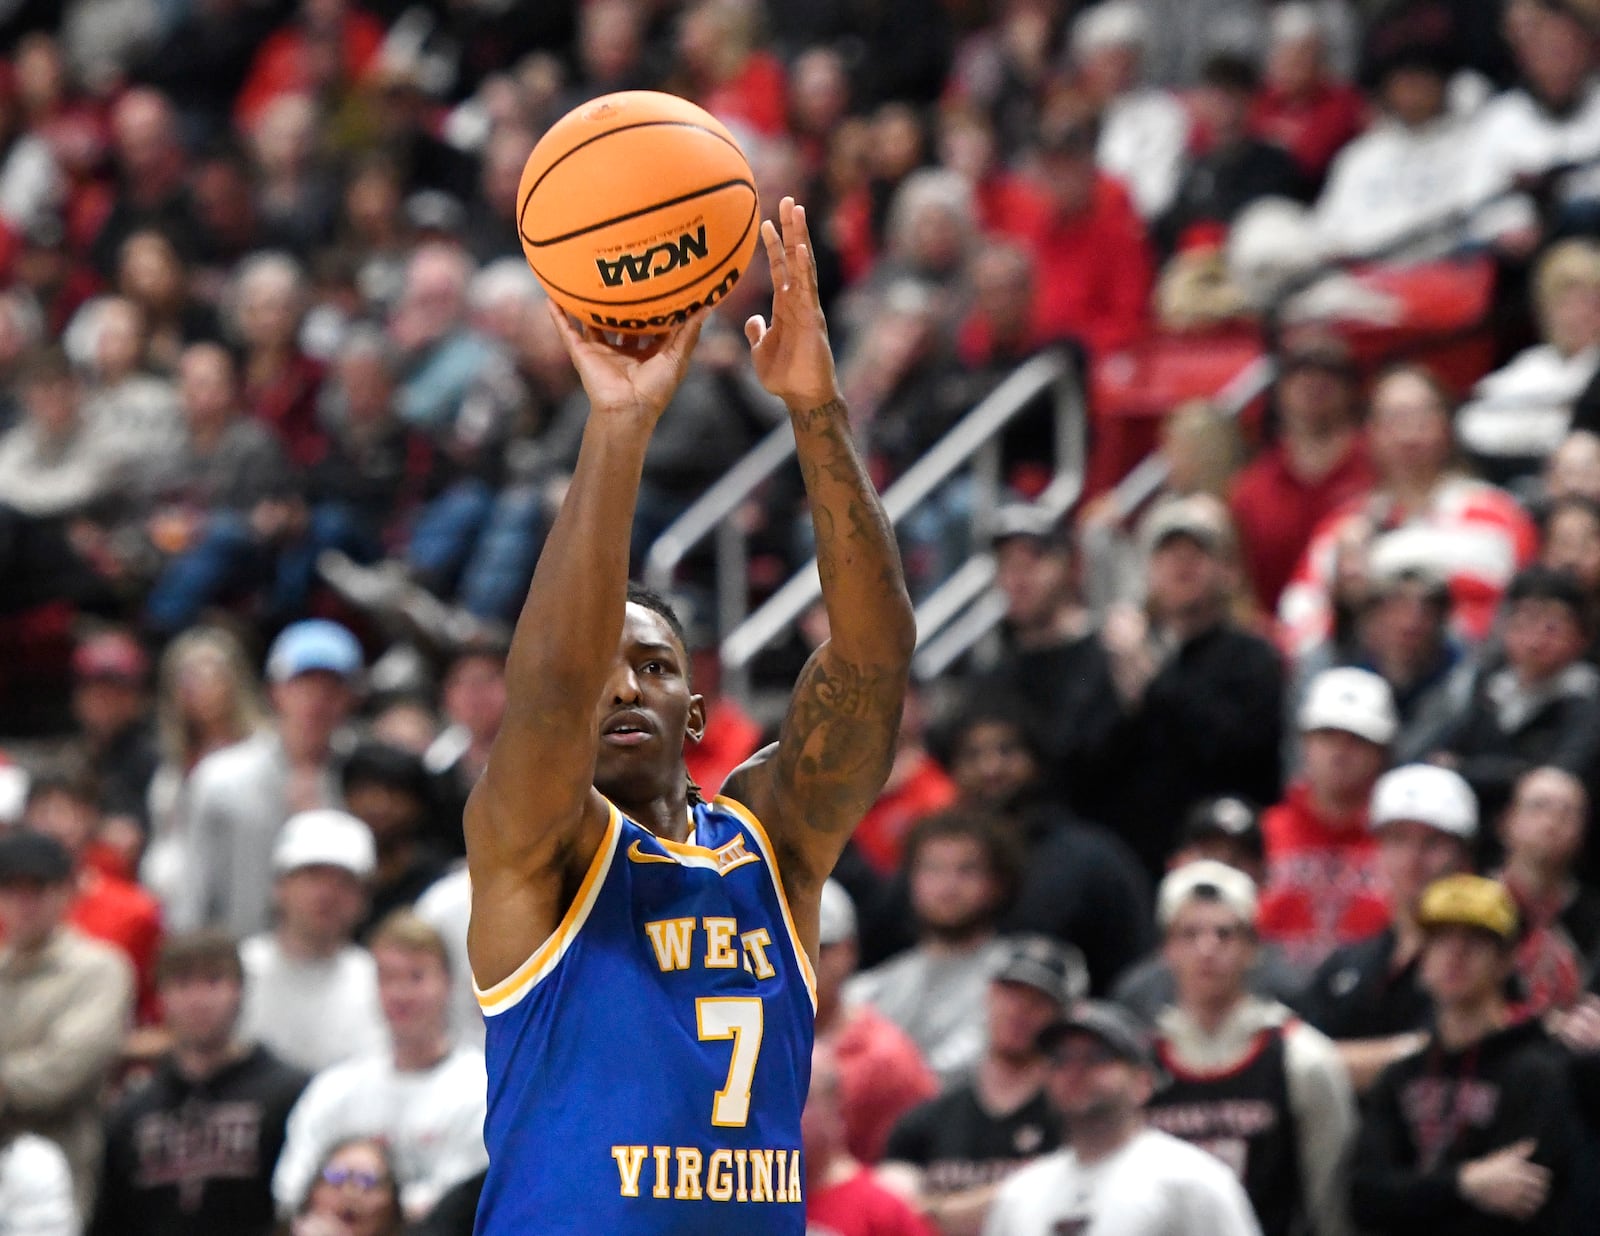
[[534, 821], [837, 740]]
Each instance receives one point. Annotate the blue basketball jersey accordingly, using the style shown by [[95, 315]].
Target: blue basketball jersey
[[648, 1065]]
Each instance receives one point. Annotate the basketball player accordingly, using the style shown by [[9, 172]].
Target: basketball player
[[644, 956]]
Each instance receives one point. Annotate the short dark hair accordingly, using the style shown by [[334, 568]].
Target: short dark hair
[[385, 765], [1542, 583], [994, 708], [1232, 72], [208, 950], [998, 841], [76, 783], [653, 601]]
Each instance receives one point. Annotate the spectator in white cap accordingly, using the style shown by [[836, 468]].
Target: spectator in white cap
[[1144, 132], [881, 1071], [1245, 1079], [239, 797], [1321, 882], [1366, 996], [310, 993]]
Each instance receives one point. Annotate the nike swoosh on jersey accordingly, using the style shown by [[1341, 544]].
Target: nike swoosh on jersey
[[639, 854]]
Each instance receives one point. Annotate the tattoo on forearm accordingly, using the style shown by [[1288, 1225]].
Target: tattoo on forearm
[[839, 738]]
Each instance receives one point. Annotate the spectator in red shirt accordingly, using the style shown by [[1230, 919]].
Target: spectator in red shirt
[[881, 1073], [291, 60], [1092, 260], [724, 71], [1318, 463], [844, 1198], [280, 381], [1321, 859], [104, 907], [1301, 107]]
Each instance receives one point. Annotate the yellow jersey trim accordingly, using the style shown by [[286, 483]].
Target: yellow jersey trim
[[767, 852], [509, 992]]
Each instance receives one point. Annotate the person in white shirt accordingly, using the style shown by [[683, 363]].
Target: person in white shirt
[[1116, 1176], [1549, 124], [35, 1189], [425, 1095], [310, 994], [1404, 181], [447, 907], [1144, 132], [239, 797], [1520, 413]]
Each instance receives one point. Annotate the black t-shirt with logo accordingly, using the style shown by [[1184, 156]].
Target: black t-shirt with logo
[[959, 1145]]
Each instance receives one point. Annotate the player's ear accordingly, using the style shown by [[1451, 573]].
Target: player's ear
[[696, 727]]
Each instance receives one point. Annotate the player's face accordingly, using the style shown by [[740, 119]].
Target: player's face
[[646, 710]]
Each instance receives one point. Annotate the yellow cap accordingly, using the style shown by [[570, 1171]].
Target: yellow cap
[[1469, 901]]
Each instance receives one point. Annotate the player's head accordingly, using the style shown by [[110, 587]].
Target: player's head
[[648, 707]]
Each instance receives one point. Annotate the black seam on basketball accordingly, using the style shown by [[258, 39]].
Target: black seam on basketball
[[659, 296], [522, 210], [634, 214]]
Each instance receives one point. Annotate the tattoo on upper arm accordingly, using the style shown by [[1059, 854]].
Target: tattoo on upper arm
[[838, 739]]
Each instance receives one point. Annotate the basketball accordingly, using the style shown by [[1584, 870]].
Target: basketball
[[637, 209]]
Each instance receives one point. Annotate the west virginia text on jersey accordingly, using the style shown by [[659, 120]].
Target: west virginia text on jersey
[[648, 1065]]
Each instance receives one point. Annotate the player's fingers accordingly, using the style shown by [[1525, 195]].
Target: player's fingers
[[681, 339], [755, 329], [776, 258], [803, 246]]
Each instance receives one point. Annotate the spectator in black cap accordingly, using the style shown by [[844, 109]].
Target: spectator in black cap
[[1318, 463], [953, 1151], [1225, 830], [1115, 1174], [1236, 169], [65, 1003], [1543, 706], [1051, 661], [1474, 1132], [1080, 884]]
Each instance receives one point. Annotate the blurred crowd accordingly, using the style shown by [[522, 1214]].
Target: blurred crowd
[[1242, 882]]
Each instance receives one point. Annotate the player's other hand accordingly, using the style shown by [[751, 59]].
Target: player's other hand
[[791, 356], [629, 381]]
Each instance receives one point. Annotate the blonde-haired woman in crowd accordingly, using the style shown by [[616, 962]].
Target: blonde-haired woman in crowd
[[1522, 411], [207, 698]]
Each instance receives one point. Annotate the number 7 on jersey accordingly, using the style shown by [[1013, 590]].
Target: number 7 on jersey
[[738, 1018]]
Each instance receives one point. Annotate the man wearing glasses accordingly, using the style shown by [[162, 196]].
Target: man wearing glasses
[[1116, 1176]]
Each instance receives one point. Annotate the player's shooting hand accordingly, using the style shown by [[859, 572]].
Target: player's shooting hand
[[1505, 1182], [623, 382], [791, 356]]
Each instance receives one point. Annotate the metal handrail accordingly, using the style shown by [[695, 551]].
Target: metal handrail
[[975, 440], [968, 604], [712, 512]]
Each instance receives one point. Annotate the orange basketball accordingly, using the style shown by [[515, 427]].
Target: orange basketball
[[636, 209]]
